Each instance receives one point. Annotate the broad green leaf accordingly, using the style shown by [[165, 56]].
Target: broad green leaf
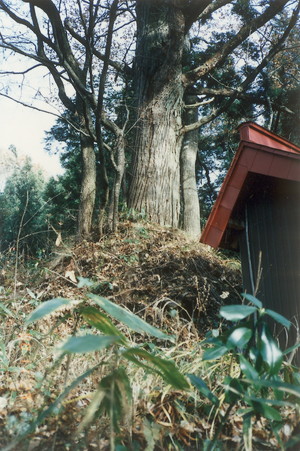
[[240, 337], [271, 402], [216, 341], [130, 319], [277, 385], [236, 312], [243, 411], [265, 410], [256, 359], [214, 353], [46, 308], [279, 318], [88, 343], [212, 336], [100, 322], [165, 368], [203, 388], [252, 299], [247, 368], [269, 350], [234, 389]]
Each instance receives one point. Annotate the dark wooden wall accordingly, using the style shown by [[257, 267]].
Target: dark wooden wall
[[271, 240]]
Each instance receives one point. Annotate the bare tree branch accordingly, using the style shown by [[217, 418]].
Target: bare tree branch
[[196, 105], [23, 72], [211, 8], [63, 48], [246, 30], [248, 80], [120, 67]]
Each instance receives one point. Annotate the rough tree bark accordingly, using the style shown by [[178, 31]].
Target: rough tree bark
[[155, 185]]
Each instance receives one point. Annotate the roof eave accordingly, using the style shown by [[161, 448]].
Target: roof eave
[[282, 161]]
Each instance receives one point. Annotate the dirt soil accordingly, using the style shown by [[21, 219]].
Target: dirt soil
[[148, 267]]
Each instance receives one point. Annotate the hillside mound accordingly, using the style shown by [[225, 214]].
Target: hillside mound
[[129, 392], [149, 269]]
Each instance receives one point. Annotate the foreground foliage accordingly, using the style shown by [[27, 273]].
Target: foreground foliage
[[258, 389], [86, 372]]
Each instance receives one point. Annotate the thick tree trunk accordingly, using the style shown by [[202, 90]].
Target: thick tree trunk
[[155, 185], [88, 187], [190, 198]]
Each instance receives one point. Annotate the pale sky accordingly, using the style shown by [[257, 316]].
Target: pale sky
[[24, 128]]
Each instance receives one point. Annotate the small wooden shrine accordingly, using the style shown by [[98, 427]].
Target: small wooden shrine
[[257, 212]]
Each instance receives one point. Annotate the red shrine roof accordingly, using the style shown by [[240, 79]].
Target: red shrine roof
[[260, 152]]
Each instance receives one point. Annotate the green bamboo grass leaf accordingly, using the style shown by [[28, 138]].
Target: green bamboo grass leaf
[[236, 312], [234, 389], [265, 410], [246, 367], [88, 343], [270, 352], [165, 368], [128, 318], [253, 300], [271, 402], [203, 388], [101, 322], [130, 356], [239, 338], [279, 318], [277, 385], [215, 353], [46, 308]]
